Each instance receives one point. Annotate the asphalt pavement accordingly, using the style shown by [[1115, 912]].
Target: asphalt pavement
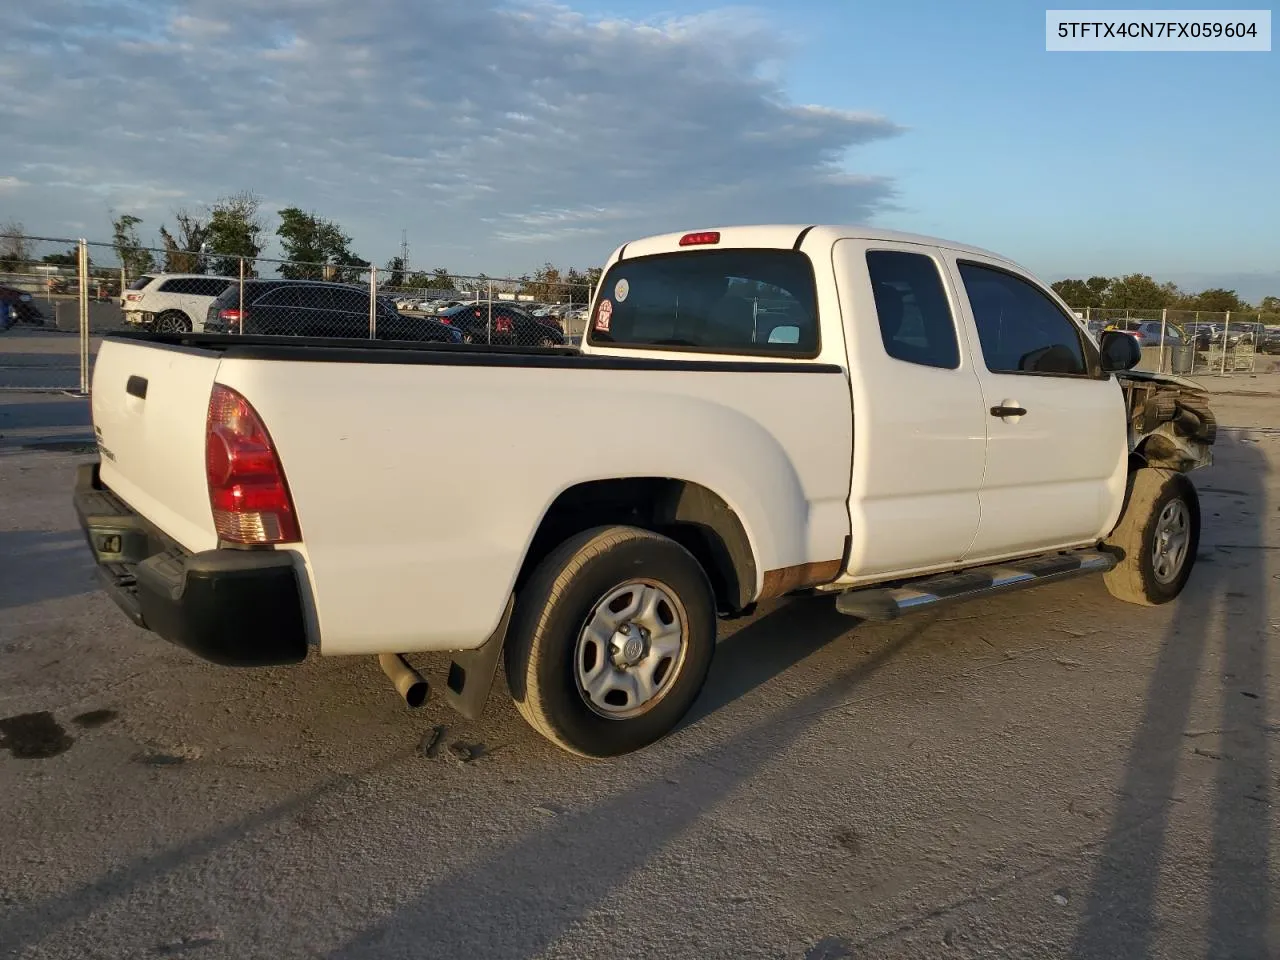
[[1047, 774]]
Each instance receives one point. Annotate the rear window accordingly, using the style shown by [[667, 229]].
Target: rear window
[[141, 282], [722, 301]]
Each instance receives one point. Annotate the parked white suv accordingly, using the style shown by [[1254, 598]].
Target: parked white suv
[[171, 302]]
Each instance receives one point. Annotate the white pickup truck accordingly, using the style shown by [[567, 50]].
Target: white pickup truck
[[893, 420]]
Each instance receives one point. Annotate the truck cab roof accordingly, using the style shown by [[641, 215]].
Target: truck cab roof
[[787, 236]]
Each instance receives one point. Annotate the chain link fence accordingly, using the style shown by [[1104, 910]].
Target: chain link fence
[[1191, 342], [83, 289], [41, 294], [87, 289]]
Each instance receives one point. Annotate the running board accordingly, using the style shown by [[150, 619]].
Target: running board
[[889, 603]]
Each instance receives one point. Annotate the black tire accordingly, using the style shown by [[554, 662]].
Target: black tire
[[1135, 579], [554, 607], [468, 337], [173, 321]]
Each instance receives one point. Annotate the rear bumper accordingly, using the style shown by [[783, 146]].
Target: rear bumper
[[240, 608]]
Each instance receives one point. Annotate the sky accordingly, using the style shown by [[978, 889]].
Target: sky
[[500, 134]]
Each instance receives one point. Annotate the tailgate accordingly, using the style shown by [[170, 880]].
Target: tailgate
[[150, 403]]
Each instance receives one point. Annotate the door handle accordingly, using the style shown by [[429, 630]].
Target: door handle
[[1008, 411]]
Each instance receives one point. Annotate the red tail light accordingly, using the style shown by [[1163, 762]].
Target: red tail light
[[502, 324], [247, 489], [133, 296], [233, 318], [700, 239]]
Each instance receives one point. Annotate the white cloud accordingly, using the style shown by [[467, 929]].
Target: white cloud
[[477, 125], [11, 183]]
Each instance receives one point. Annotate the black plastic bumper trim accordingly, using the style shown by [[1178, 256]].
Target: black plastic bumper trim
[[238, 608]]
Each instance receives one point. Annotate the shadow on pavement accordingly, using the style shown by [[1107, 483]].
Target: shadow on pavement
[[30, 923], [517, 901], [39, 565], [1119, 919], [55, 412], [751, 658]]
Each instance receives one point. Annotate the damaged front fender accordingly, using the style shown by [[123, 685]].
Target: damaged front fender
[[1170, 423]]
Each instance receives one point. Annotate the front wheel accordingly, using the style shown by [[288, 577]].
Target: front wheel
[[611, 641], [1157, 537]]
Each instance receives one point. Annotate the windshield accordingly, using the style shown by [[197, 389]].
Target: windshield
[[723, 301], [141, 282]]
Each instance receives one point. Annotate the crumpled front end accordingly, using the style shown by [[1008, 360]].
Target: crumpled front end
[[1170, 423]]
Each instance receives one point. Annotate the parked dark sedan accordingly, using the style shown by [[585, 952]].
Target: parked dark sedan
[[500, 323], [17, 306], [1269, 341], [311, 308]]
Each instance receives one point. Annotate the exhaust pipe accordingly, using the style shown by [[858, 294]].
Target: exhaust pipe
[[409, 683]]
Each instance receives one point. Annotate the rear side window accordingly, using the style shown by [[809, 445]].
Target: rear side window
[[916, 324], [726, 301], [141, 282], [282, 297], [211, 287], [182, 285], [1021, 330], [350, 301]]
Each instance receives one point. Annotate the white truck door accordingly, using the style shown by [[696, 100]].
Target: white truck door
[[1057, 450], [919, 431]]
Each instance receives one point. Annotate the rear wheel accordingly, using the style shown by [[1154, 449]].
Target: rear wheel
[[1157, 536], [611, 641], [173, 321]]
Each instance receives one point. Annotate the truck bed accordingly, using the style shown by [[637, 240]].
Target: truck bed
[[420, 473]]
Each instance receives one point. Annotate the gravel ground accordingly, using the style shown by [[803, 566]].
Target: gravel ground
[[1047, 774]]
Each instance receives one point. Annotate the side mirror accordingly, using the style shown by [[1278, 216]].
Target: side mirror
[[1119, 351]]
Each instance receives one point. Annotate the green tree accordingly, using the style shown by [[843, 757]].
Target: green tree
[[183, 246], [348, 268], [580, 284], [235, 231], [1217, 300], [1137, 291], [395, 271], [546, 285], [437, 279], [316, 248], [1269, 305], [135, 258], [68, 259], [1078, 293], [15, 248]]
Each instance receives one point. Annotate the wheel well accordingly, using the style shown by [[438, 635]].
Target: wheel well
[[688, 513]]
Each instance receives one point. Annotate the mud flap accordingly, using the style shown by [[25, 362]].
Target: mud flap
[[471, 672]]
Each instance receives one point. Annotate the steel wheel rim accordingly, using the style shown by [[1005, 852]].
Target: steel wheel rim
[[1172, 538], [631, 649]]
